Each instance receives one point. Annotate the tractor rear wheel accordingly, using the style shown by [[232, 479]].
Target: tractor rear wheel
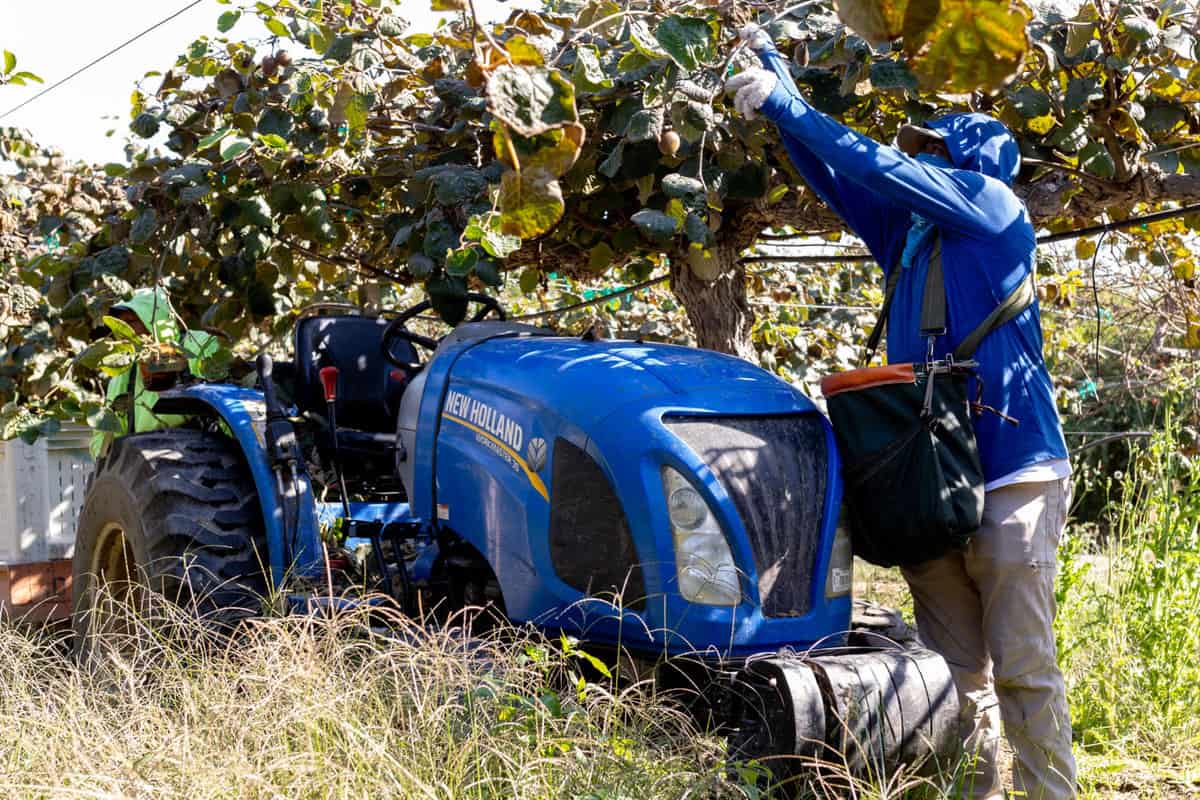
[[175, 512]]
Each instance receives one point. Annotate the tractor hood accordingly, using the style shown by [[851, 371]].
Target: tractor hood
[[587, 381]]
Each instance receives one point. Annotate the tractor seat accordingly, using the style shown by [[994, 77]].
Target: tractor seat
[[369, 388]]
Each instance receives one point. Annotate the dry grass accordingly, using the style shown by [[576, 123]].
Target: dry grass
[[307, 708]]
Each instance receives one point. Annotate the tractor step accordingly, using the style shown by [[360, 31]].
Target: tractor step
[[854, 712]]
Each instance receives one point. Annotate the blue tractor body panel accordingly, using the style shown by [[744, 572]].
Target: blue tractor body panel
[[492, 413]]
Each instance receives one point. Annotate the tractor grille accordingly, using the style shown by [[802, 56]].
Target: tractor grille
[[591, 547], [774, 469]]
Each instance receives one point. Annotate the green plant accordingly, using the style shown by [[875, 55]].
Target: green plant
[[1128, 629]]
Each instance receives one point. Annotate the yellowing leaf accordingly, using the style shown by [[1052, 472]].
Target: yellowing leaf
[[880, 21], [531, 202], [1084, 249], [520, 51], [554, 151], [1081, 30], [973, 44], [1041, 125]]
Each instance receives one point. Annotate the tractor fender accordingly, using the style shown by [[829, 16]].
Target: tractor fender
[[244, 413]]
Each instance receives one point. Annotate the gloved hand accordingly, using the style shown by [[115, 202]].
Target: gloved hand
[[754, 37], [751, 89]]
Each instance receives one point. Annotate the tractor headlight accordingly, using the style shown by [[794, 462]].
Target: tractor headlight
[[703, 561]]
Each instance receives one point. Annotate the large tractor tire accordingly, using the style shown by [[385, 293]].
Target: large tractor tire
[[175, 512]]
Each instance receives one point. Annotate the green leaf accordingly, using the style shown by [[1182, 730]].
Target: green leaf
[[1081, 91], [588, 75], [10, 62], [94, 353], [646, 125], [275, 120], [531, 100], [143, 226], [455, 184], [697, 230], [600, 258], [234, 147], [531, 202], [612, 163], [529, 280], [488, 271], [499, 245], [420, 265], [888, 75], [121, 329], [643, 42], [681, 186], [1141, 28], [213, 138], [655, 225], [1030, 102], [274, 141], [461, 263], [440, 238], [104, 420], [276, 26], [228, 20], [689, 41], [1095, 159], [448, 296], [1180, 41]]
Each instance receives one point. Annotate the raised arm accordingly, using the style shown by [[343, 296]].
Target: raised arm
[[962, 200], [871, 217]]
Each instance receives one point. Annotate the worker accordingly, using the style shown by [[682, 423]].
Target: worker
[[148, 313], [988, 610]]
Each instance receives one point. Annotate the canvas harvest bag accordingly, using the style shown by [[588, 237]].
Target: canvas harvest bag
[[913, 482]]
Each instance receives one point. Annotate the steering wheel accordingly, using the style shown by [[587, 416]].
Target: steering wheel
[[398, 327]]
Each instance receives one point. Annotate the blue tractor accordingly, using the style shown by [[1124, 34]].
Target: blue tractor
[[675, 503]]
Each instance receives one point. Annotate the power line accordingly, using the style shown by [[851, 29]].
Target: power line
[[96, 61], [1132, 222], [1078, 233], [595, 301]]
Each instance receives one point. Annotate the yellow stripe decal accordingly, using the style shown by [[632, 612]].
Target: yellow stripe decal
[[535, 480]]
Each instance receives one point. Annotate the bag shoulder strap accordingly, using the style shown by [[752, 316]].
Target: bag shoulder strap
[[1017, 301], [933, 301], [933, 308]]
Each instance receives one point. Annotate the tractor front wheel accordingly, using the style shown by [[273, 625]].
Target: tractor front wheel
[[175, 512]]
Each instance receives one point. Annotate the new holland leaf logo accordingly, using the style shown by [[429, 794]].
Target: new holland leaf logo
[[535, 454]]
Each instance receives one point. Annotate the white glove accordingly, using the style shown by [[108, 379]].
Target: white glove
[[754, 37], [751, 89]]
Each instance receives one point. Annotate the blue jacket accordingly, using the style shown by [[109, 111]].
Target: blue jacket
[[987, 250]]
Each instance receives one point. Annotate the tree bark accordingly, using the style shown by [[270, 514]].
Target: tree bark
[[719, 310]]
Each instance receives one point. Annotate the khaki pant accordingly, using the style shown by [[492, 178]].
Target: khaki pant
[[989, 612]]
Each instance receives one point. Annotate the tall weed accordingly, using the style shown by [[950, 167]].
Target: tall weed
[[1129, 627]]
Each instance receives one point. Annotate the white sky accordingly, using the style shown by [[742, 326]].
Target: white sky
[[53, 38]]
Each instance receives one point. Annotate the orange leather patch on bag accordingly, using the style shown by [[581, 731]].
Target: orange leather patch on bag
[[867, 378]]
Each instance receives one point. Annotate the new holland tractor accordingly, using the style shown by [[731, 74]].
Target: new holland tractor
[[671, 502]]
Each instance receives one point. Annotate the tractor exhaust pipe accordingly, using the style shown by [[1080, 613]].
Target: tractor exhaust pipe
[[860, 712], [283, 450]]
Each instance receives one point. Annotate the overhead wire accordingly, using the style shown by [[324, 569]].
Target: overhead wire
[[1091, 230], [96, 61]]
